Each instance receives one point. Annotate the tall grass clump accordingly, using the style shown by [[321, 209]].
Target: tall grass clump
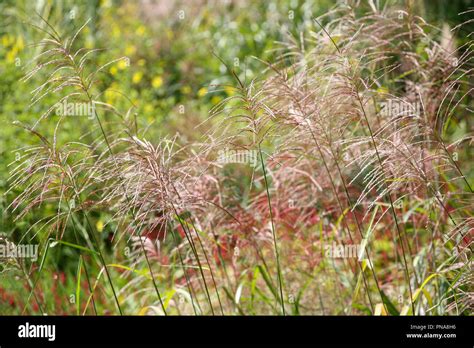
[[337, 181]]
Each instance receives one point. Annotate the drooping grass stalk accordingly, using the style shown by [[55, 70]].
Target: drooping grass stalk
[[248, 107], [81, 258], [208, 264], [298, 104], [438, 138], [435, 193], [188, 281], [90, 289], [102, 259], [223, 263], [407, 276], [189, 237], [389, 196], [360, 228], [277, 256], [89, 97], [358, 224], [70, 59], [85, 267], [333, 185], [32, 292], [97, 245]]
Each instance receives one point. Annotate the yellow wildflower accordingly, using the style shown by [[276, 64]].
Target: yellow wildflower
[[20, 44], [100, 226], [122, 64], [157, 82], [11, 55], [130, 50], [137, 77], [202, 92], [148, 108], [6, 40], [216, 99]]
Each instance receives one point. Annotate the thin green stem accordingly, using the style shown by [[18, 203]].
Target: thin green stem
[[277, 256]]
